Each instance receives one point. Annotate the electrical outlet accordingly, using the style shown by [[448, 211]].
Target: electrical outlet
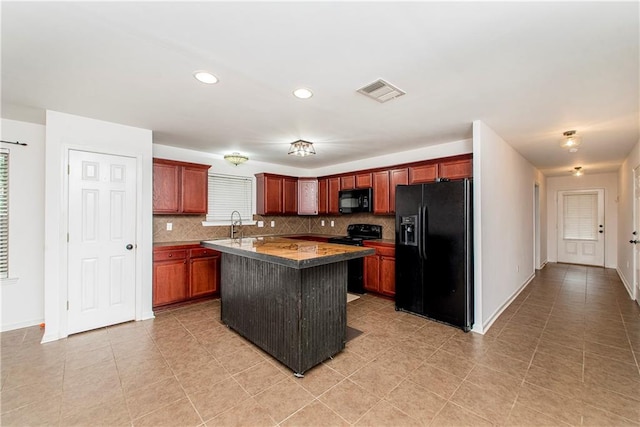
[[169, 226], [260, 223], [333, 223], [322, 223], [273, 223]]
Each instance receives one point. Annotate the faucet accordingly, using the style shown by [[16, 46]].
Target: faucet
[[235, 223]]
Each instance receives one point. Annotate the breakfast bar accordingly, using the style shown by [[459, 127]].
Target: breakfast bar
[[287, 296]]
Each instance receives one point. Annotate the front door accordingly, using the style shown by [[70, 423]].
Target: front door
[[101, 249], [581, 227]]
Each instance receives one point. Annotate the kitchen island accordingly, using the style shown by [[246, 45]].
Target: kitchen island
[[287, 296]]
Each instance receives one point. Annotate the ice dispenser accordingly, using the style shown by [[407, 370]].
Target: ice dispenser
[[408, 230]]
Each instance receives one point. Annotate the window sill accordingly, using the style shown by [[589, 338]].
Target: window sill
[[9, 281], [225, 223]]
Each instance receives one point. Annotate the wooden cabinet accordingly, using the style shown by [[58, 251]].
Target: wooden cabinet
[[364, 180], [328, 194], [323, 207], [347, 182], [423, 173], [204, 272], [169, 276], [381, 192], [276, 194], [456, 169], [384, 189], [333, 194], [379, 269], [290, 195], [179, 187], [308, 196], [396, 177], [181, 273]]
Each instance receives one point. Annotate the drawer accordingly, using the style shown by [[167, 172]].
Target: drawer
[[169, 255], [386, 251], [202, 252]]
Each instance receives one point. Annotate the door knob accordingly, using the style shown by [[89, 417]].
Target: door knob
[[129, 246]]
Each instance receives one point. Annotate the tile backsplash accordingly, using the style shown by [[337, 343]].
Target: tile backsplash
[[190, 228]]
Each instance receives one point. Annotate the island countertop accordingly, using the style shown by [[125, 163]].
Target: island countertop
[[291, 253]]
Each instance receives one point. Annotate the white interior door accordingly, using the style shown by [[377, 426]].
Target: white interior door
[[101, 249], [636, 234], [581, 230]]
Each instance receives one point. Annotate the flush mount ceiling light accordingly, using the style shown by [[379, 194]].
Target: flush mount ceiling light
[[577, 171], [205, 77], [571, 141], [302, 148], [303, 93], [235, 158]]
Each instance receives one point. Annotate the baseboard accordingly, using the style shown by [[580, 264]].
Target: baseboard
[[486, 325], [543, 265], [147, 315], [19, 325], [625, 283]]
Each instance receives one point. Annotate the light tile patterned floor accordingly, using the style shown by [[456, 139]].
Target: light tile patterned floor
[[565, 352]]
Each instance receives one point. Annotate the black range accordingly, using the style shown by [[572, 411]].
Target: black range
[[356, 235]]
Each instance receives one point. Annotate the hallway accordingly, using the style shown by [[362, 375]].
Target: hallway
[[564, 353]]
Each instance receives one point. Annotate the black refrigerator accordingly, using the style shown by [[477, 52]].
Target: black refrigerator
[[434, 251]]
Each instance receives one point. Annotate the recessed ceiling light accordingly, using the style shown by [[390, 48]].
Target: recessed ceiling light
[[303, 93], [205, 77]]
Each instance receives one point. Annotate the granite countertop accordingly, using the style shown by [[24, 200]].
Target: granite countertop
[[288, 252]]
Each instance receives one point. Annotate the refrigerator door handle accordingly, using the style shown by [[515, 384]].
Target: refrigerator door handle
[[419, 231], [423, 236]]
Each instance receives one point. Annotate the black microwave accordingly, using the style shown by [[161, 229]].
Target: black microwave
[[352, 201]]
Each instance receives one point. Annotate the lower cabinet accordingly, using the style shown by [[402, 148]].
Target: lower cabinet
[[380, 269], [181, 273]]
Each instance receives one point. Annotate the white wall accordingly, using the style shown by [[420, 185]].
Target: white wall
[[625, 218], [607, 181], [503, 220], [64, 132], [22, 296]]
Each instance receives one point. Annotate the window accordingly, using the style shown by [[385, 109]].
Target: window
[[4, 213], [227, 194], [581, 216]]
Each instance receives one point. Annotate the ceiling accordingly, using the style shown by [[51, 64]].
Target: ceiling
[[528, 70]]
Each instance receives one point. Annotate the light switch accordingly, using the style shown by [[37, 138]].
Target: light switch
[[260, 223], [169, 226], [273, 223]]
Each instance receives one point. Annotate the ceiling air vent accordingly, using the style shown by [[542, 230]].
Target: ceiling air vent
[[381, 91]]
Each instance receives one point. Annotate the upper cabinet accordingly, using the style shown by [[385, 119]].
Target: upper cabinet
[[179, 187], [308, 196], [456, 169], [364, 180], [285, 195], [347, 182], [276, 194], [423, 173]]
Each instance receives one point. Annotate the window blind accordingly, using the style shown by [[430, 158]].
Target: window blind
[[4, 213], [228, 194], [580, 219]]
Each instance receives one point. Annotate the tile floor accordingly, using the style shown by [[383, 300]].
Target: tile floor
[[565, 352]]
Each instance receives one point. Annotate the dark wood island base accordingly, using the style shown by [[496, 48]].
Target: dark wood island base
[[299, 316], [288, 297]]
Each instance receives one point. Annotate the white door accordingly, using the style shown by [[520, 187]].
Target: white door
[[636, 233], [581, 227], [102, 215]]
